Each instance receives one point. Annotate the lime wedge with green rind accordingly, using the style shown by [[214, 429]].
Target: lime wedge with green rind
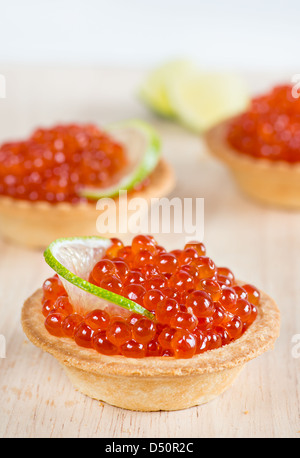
[[143, 149], [202, 99], [154, 89], [72, 259]]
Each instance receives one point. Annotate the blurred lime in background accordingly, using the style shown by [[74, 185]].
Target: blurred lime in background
[[181, 91]]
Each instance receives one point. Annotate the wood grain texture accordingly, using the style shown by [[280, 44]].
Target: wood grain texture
[[260, 244]]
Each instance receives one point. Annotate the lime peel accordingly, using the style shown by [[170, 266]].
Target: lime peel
[[96, 291], [143, 146]]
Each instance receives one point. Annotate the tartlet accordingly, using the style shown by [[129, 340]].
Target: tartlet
[[271, 176], [35, 223], [265, 181], [153, 383]]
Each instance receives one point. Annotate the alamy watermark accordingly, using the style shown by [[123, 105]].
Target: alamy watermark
[[2, 87], [2, 346], [159, 216], [296, 347], [296, 87]]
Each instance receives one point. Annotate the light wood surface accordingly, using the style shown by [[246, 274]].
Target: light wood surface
[[260, 244]]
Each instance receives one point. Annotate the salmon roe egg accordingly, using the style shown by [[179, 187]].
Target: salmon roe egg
[[166, 309], [184, 320], [183, 344], [52, 288], [63, 305], [165, 337], [201, 303], [133, 349], [144, 330], [211, 287], [118, 333], [70, 323], [253, 294], [143, 242], [97, 319], [195, 305], [103, 345], [167, 263], [53, 323], [134, 292], [111, 283], [47, 306], [83, 335], [151, 298], [103, 267], [199, 247], [113, 250]]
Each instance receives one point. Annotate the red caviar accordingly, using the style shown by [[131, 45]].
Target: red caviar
[[197, 306], [270, 128], [54, 164]]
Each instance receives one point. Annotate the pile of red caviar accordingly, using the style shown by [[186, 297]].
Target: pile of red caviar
[[196, 305], [270, 128], [54, 164]]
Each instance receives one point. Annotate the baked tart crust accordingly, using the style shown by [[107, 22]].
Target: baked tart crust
[[154, 383], [36, 224], [275, 183]]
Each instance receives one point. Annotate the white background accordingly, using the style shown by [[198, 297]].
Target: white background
[[237, 34]]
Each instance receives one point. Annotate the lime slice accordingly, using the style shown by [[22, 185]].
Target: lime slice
[[72, 259], [201, 100], [154, 90], [143, 147]]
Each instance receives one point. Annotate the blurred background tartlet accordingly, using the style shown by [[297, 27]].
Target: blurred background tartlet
[[261, 147], [51, 182]]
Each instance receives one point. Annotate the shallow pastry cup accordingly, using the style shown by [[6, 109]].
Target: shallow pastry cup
[[36, 224], [275, 183], [154, 383]]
